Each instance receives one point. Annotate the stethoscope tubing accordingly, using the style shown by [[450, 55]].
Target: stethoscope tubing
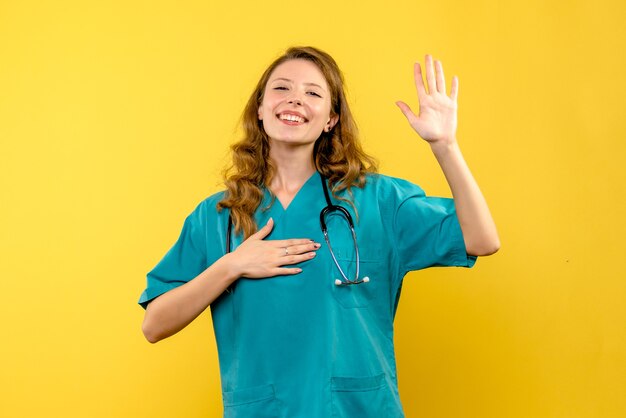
[[337, 208]]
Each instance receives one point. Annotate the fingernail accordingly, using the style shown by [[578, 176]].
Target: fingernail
[[317, 245], [299, 270], [270, 220]]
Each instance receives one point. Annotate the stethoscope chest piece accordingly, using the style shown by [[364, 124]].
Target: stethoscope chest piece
[[349, 282]]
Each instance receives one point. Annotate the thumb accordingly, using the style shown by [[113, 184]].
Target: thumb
[[406, 110], [264, 231]]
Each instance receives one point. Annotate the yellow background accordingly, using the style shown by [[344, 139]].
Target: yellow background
[[115, 121]]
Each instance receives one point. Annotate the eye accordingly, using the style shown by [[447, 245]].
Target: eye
[[312, 93], [280, 88]]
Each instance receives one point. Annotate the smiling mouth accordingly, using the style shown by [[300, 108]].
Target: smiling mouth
[[291, 118]]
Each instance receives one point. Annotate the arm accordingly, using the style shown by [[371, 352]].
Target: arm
[[436, 124], [174, 310], [254, 258]]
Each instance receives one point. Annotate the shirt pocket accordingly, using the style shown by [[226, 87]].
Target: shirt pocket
[[363, 397], [356, 295], [258, 402]]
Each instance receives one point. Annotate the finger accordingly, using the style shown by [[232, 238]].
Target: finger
[[291, 242], [419, 80], [264, 231], [441, 81], [301, 249], [408, 113], [284, 252], [295, 259], [454, 90], [285, 271], [430, 75]]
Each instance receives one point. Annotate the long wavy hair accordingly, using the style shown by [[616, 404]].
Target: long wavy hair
[[337, 154]]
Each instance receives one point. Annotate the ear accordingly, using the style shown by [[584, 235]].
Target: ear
[[259, 114], [331, 123]]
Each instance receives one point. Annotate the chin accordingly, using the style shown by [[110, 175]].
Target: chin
[[294, 140]]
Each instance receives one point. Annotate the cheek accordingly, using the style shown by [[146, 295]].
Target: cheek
[[267, 106], [324, 113], [264, 111]]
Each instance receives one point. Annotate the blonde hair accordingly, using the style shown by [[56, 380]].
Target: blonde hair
[[337, 154]]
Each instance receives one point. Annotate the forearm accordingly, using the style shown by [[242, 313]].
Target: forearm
[[479, 230], [175, 309]]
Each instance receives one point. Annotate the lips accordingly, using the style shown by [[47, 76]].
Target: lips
[[292, 117]]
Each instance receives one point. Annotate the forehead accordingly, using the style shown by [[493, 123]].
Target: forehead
[[299, 71]]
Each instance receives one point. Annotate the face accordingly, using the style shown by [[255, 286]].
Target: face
[[296, 104]]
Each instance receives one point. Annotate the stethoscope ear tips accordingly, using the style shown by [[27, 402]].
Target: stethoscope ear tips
[[366, 279], [338, 282]]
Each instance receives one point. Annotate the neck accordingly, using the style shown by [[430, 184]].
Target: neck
[[294, 166]]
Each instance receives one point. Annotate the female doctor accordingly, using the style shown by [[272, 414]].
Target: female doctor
[[302, 257]]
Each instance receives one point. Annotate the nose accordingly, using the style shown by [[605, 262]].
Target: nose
[[295, 100]]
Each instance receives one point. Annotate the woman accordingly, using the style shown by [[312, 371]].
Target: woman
[[304, 321]]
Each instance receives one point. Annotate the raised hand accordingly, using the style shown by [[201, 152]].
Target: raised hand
[[437, 119], [257, 258]]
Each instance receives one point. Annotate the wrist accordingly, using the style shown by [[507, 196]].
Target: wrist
[[444, 148], [229, 267]]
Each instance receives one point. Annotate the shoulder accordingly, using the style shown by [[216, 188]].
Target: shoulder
[[212, 201], [391, 187], [207, 209]]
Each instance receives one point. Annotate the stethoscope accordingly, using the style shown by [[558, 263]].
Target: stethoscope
[[330, 208]]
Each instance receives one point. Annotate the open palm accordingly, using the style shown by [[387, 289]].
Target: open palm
[[437, 119]]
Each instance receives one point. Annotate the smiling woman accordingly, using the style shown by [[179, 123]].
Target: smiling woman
[[288, 308], [336, 151], [296, 105]]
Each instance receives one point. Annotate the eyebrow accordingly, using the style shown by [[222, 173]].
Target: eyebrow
[[291, 81]]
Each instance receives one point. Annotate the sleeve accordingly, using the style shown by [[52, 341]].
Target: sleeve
[[427, 231], [183, 262]]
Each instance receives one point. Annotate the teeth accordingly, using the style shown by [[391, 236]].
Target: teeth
[[291, 118]]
